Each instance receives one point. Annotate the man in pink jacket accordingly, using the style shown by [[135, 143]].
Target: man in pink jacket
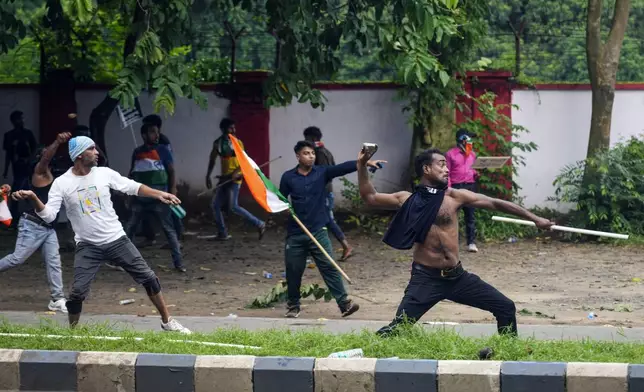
[[461, 176]]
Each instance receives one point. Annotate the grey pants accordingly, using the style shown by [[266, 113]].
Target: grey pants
[[88, 260], [32, 236]]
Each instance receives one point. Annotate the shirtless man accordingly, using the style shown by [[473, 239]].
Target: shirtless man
[[428, 221]]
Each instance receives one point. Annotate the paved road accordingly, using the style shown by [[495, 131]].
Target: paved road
[[205, 324]]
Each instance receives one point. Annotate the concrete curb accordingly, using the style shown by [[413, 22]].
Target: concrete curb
[[68, 371]]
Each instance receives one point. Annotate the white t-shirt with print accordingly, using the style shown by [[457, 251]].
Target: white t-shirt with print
[[88, 203]]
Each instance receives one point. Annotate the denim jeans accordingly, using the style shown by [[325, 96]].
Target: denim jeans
[[149, 231], [333, 225], [228, 195], [163, 215], [32, 236], [470, 224], [298, 247]]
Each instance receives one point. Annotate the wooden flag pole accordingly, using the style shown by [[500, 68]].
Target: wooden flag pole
[[321, 248]]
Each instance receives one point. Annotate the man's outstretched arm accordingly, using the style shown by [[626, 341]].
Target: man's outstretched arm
[[47, 211], [477, 200], [368, 192]]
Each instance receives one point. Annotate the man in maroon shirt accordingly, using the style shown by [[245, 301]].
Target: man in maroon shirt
[[459, 161]]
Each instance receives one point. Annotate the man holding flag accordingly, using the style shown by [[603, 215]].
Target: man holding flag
[[306, 233]]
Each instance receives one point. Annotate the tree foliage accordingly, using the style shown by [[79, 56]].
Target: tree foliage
[[552, 43], [553, 39], [417, 38]]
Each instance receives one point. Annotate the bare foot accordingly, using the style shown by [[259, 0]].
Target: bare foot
[[346, 254]]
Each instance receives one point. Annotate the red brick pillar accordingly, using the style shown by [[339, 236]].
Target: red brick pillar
[[57, 101], [477, 84], [252, 117]]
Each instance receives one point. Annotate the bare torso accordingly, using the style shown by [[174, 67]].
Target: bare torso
[[440, 249]]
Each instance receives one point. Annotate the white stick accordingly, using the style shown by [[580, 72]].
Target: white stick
[[563, 228], [133, 137], [26, 335]]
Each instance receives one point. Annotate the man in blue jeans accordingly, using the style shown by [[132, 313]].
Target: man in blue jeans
[[306, 186], [35, 233], [231, 179], [323, 157]]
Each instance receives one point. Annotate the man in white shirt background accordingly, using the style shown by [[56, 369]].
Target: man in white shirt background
[[85, 191]]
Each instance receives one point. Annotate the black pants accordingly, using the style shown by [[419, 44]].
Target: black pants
[[470, 225], [426, 288]]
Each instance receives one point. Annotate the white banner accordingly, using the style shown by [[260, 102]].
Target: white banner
[[129, 117]]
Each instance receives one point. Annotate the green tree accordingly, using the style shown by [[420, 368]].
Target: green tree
[[425, 41], [603, 60], [552, 40]]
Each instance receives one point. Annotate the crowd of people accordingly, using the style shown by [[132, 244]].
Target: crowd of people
[[427, 218]]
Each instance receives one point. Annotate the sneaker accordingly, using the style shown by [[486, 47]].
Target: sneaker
[[115, 267], [293, 312], [472, 248], [175, 326], [262, 231], [180, 268], [349, 308], [58, 306], [224, 237]]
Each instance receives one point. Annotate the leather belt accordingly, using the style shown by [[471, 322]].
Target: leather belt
[[446, 273], [37, 221]]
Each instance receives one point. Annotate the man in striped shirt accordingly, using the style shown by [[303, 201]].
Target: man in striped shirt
[[152, 165]]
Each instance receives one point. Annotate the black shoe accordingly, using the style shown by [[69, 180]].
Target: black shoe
[[262, 231], [293, 312], [349, 308], [180, 268], [387, 331]]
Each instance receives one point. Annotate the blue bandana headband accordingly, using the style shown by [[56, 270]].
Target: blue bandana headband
[[78, 145]]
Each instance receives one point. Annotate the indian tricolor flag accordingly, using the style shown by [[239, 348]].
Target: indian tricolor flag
[[5, 214], [264, 191]]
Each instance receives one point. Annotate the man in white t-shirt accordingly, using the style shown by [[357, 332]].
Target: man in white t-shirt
[[85, 191]]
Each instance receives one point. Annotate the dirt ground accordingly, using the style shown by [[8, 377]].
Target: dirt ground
[[562, 281]]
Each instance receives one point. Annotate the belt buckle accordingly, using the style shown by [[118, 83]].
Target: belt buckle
[[442, 273]]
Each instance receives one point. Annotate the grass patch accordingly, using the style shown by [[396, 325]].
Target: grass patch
[[412, 343]]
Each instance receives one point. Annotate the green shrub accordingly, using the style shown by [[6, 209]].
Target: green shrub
[[612, 196], [491, 129]]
